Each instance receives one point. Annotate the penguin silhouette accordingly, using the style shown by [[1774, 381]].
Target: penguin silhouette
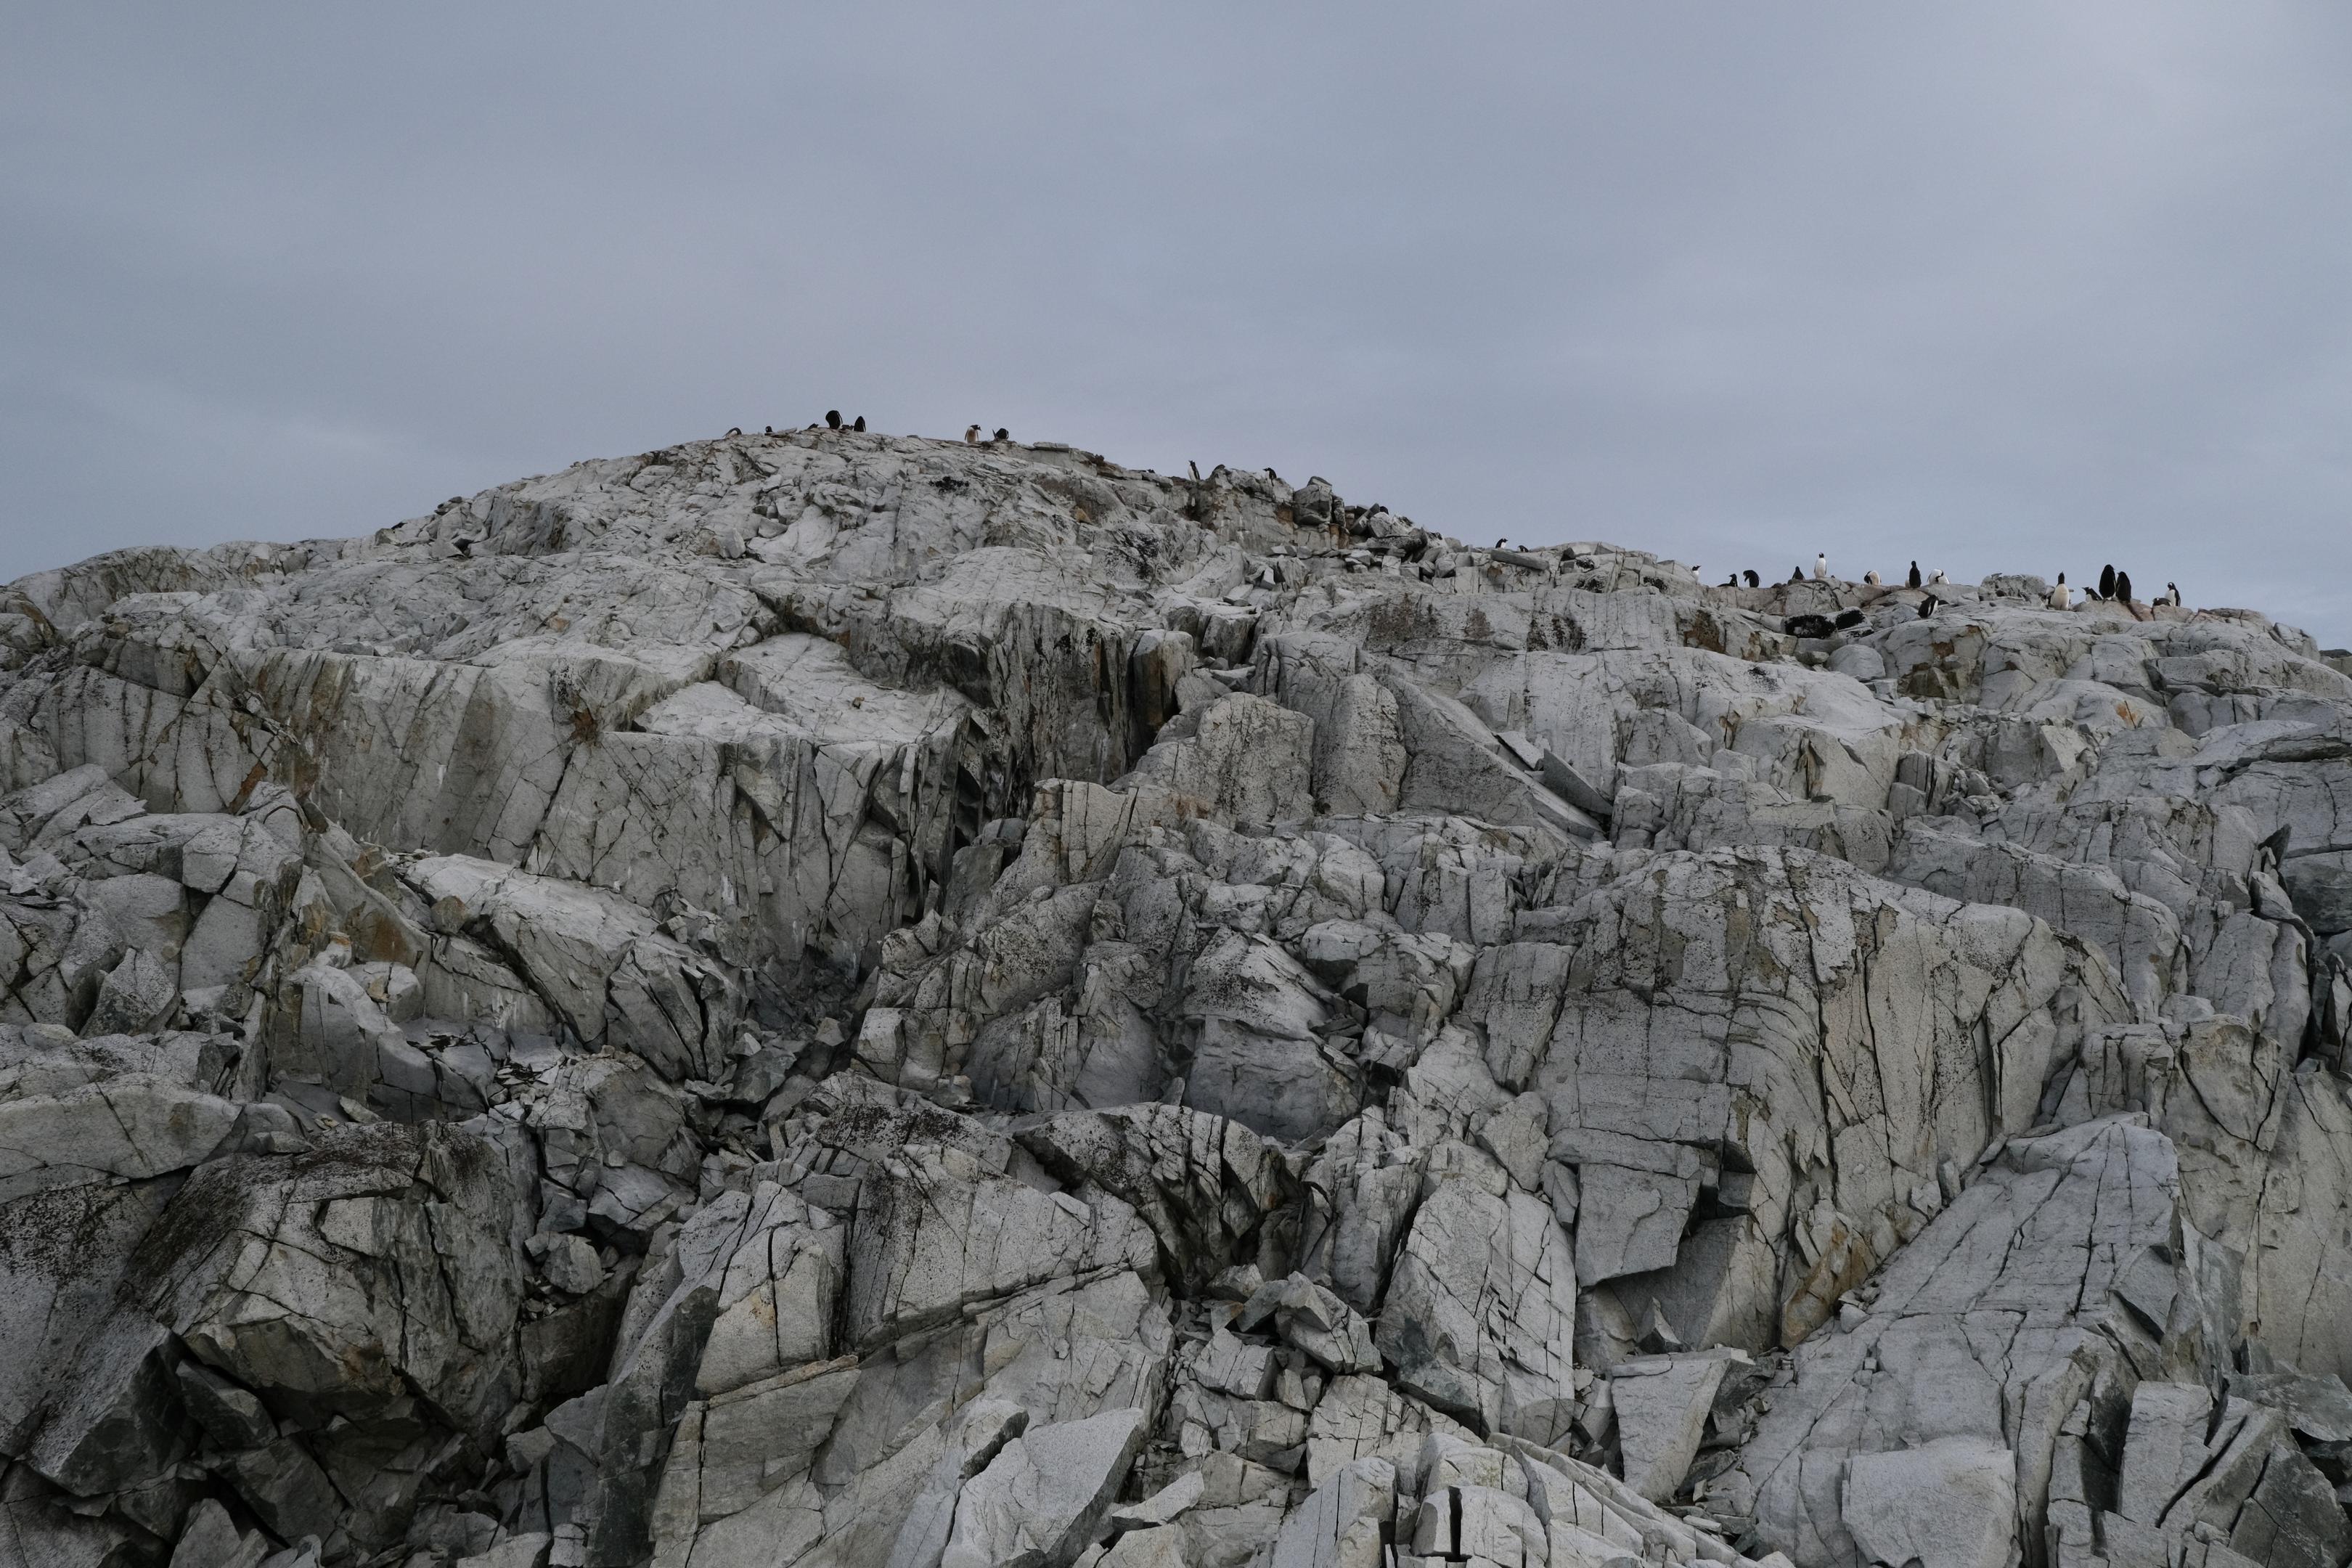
[[1002, 433], [2123, 587], [2107, 581], [1753, 581], [1929, 606], [833, 418], [1914, 576], [859, 423]]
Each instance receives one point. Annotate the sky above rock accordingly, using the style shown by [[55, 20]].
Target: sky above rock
[[1998, 287]]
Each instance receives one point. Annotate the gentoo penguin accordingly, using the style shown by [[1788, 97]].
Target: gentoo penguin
[[1935, 577], [733, 431], [1797, 575], [1821, 567], [1929, 606], [1871, 578], [2123, 588], [1914, 576], [1002, 433], [2172, 592], [833, 418], [859, 423], [972, 434], [2108, 580], [1732, 581], [2060, 596], [1500, 542], [1753, 581], [768, 429]]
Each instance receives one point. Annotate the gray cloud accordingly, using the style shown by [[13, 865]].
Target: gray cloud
[[2002, 287]]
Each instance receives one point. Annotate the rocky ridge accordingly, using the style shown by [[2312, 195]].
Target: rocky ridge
[[828, 998]]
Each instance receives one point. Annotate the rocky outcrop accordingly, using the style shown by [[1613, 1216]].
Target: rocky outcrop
[[828, 998]]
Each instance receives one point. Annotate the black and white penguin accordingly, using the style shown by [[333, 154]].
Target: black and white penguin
[[1753, 580], [2123, 588], [1821, 567], [833, 418], [1871, 578], [1500, 542], [1732, 581], [767, 429], [2172, 591], [2060, 596], [1935, 577], [1002, 433], [733, 431], [1797, 575], [859, 423], [2107, 581], [1914, 576], [1929, 606], [972, 434]]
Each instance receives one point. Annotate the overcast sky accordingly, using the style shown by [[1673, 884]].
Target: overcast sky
[[2002, 287]]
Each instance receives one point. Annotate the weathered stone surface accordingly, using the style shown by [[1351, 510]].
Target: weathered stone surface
[[830, 998]]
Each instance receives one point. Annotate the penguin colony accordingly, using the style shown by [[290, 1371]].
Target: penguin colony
[[2114, 586]]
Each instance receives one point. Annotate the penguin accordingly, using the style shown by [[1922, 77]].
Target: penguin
[[1871, 578], [2172, 592], [767, 429], [1915, 576], [2108, 580], [1821, 567], [1500, 542], [1002, 433], [859, 423], [1732, 581], [833, 418], [1935, 577], [1797, 575], [1753, 581], [972, 434], [2123, 588], [2060, 596], [1929, 606], [733, 431]]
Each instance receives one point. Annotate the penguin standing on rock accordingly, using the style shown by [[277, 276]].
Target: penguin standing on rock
[[2060, 596], [972, 434], [2123, 588], [1935, 577], [1753, 581], [1914, 576], [1821, 567], [1002, 433], [859, 423], [1929, 606], [2106, 582], [2172, 591], [1871, 578], [1797, 575], [833, 418]]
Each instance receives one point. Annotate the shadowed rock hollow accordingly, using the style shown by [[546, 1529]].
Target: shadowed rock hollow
[[839, 999]]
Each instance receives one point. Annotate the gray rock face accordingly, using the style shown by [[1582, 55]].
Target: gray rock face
[[841, 999]]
